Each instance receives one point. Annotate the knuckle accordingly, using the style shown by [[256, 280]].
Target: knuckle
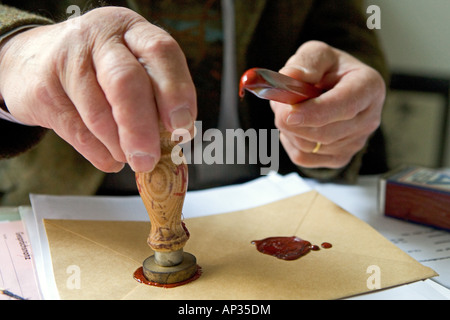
[[318, 45], [68, 124], [279, 122], [119, 11], [162, 44], [83, 138], [298, 157], [373, 125], [370, 125], [120, 15], [359, 144], [42, 92], [339, 161], [379, 84], [352, 108], [120, 77]]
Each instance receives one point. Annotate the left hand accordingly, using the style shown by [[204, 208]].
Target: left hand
[[341, 119]]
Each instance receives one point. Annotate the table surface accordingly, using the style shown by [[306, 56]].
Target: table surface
[[360, 200]]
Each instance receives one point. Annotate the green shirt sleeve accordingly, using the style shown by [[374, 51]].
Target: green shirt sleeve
[[16, 138], [12, 18]]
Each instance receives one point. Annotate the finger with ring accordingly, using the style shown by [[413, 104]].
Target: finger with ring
[[317, 147]]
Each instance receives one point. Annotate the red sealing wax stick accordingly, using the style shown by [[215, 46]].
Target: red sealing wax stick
[[271, 85]]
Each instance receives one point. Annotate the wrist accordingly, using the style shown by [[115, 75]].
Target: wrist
[[4, 38]]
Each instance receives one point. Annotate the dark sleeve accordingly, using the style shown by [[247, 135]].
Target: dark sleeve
[[12, 18]]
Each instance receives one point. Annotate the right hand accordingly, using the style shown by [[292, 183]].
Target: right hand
[[102, 87]]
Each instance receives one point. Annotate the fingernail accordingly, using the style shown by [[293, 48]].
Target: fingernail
[[141, 162], [295, 68], [181, 119], [119, 166], [295, 119], [303, 69]]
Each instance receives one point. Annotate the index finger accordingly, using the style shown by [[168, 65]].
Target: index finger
[[166, 65], [129, 92], [344, 101]]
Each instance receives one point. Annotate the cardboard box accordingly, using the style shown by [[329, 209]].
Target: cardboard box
[[416, 194]]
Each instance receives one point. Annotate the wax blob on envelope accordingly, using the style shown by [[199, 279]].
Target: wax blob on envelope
[[106, 254]]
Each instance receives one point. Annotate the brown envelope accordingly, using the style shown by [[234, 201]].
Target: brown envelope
[[107, 253]]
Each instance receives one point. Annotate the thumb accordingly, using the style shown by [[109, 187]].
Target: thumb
[[311, 62]]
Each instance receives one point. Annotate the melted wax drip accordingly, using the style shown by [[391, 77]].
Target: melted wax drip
[[140, 277], [287, 248]]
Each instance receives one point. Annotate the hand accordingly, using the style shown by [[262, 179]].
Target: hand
[[341, 119], [102, 87]]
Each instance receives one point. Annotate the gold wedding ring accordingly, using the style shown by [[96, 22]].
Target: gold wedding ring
[[317, 148]]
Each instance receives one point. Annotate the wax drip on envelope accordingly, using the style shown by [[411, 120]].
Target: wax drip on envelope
[[287, 248]]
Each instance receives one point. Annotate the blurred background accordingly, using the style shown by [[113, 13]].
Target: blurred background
[[415, 35]]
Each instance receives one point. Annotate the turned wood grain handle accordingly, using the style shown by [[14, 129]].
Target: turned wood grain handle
[[163, 191]]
